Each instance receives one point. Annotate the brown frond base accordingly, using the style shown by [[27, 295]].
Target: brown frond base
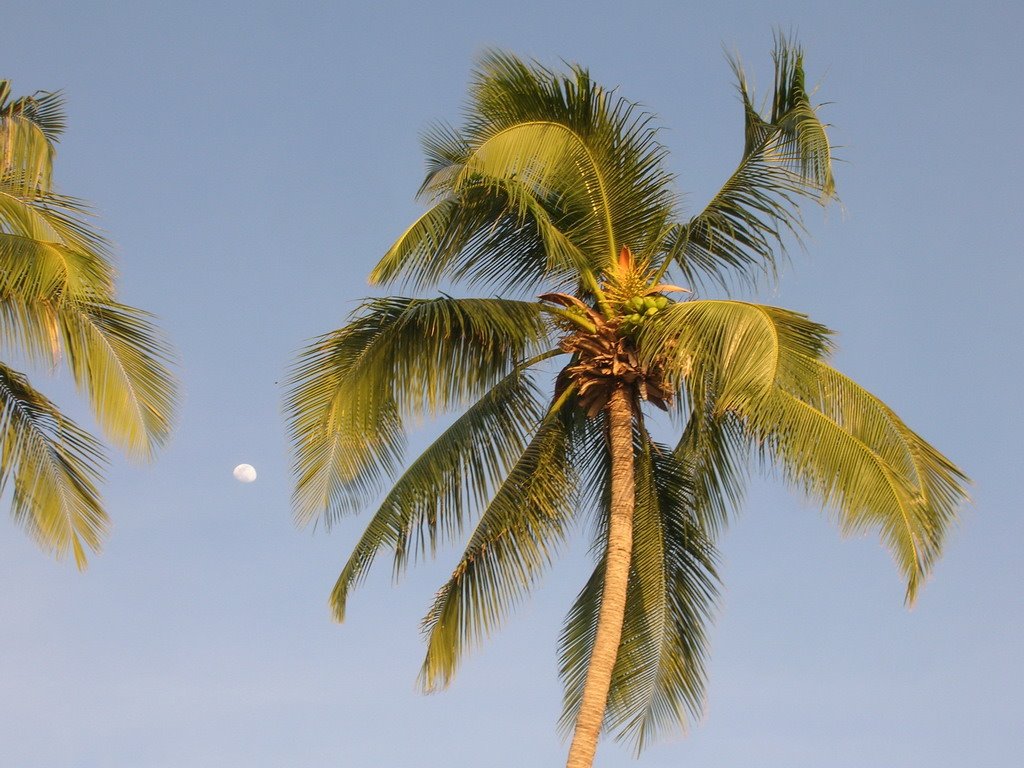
[[604, 359]]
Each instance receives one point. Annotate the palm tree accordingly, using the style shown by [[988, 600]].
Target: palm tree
[[555, 185], [57, 302]]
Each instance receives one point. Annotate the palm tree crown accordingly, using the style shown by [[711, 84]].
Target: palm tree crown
[[57, 297], [555, 186]]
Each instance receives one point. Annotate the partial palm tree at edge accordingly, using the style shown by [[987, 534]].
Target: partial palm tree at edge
[[58, 304], [554, 187]]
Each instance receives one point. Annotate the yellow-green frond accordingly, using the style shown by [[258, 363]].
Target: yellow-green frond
[[742, 231], [551, 160], [398, 357], [714, 450], [846, 448], [26, 155], [549, 176], [118, 357], [489, 233], [732, 352], [453, 478], [55, 467], [658, 679], [514, 541]]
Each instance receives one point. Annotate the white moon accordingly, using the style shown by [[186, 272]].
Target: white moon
[[244, 473]]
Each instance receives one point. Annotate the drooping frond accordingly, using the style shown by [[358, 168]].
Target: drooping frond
[[575, 173], [729, 352], [766, 368], [56, 222], [351, 389], [517, 535], [846, 448], [659, 671], [120, 360], [57, 292], [634, 193], [41, 269], [741, 233], [57, 301], [41, 230], [513, 237], [55, 466], [430, 502], [714, 449]]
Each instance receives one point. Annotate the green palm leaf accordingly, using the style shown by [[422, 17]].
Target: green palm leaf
[[29, 329], [45, 109], [516, 230], [714, 450], [429, 503], [659, 671], [843, 446], [55, 466], [561, 163], [838, 442], [32, 268], [634, 193], [29, 126], [57, 300], [351, 389], [517, 535], [731, 352], [786, 157], [118, 357]]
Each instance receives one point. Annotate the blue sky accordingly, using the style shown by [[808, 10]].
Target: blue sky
[[253, 160]]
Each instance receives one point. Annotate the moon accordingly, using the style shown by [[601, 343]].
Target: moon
[[244, 473]]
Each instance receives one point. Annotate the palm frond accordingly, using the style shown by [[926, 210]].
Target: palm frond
[[29, 128], [517, 535], [351, 389], [32, 269], [43, 108], [118, 357], [42, 215], [765, 367], [658, 677], [574, 172], [488, 233], [731, 352], [741, 232], [55, 467], [57, 285], [48, 248], [621, 140], [431, 501], [713, 451], [26, 155], [548, 159], [29, 330], [844, 447]]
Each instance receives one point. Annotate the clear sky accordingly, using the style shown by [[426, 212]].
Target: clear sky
[[252, 160]]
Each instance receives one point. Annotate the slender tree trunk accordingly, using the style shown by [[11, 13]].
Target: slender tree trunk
[[616, 578]]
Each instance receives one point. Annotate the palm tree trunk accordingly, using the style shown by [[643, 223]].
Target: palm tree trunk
[[616, 578]]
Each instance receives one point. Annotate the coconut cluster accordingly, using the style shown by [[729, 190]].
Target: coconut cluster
[[640, 308]]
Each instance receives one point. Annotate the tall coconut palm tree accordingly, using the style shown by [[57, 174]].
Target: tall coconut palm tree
[[555, 186], [57, 303]]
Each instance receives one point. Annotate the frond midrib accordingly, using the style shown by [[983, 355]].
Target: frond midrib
[[605, 202], [882, 466]]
